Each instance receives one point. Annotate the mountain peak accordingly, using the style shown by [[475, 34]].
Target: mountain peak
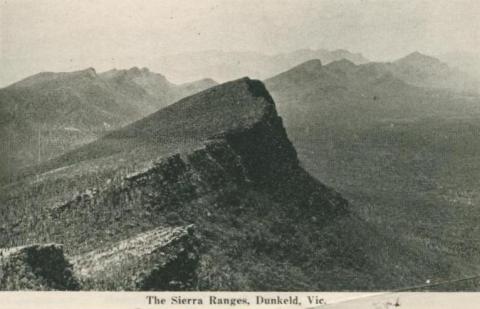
[[230, 106], [47, 77], [343, 65], [309, 66], [202, 84], [89, 72], [142, 76], [207, 81], [311, 63], [417, 58], [417, 54], [136, 71]]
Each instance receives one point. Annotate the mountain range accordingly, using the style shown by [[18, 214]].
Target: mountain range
[[224, 66], [426, 71], [50, 113], [415, 68], [404, 154]]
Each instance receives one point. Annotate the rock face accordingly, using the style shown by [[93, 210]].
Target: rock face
[[162, 259], [35, 267], [220, 160]]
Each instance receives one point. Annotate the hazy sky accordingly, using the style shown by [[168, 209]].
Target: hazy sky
[[63, 35]]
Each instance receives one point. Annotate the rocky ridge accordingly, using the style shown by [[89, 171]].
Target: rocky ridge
[[161, 259]]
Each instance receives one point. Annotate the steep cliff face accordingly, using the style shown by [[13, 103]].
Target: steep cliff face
[[220, 160]]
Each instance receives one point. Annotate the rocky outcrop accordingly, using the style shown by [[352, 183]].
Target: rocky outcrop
[[162, 259], [36, 267]]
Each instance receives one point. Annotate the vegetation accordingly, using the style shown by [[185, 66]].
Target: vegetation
[[50, 114], [405, 157]]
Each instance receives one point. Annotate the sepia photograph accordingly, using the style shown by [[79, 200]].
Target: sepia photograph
[[267, 153]]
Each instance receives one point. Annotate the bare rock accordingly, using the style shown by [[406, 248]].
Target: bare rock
[[161, 259]]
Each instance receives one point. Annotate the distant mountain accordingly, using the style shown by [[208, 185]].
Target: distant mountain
[[224, 66], [205, 194], [154, 85], [50, 113], [336, 89], [426, 71], [419, 70], [405, 156], [193, 87]]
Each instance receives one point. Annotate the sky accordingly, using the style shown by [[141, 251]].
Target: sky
[[65, 35]]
